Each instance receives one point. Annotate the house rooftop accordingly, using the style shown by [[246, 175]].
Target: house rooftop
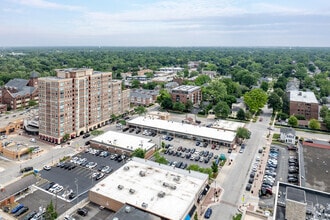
[[186, 88]]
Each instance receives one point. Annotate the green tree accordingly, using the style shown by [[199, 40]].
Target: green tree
[[249, 80], [189, 105], [275, 102], [255, 99], [243, 133], [135, 83], [160, 159], [293, 121], [202, 79], [222, 110], [215, 91], [66, 137], [163, 94], [51, 213], [179, 106], [326, 121], [167, 103], [214, 167], [314, 124], [140, 110], [264, 86], [139, 152], [240, 114], [323, 111], [32, 103]]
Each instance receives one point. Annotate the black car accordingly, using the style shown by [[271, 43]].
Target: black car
[[72, 195], [125, 129], [86, 135], [26, 169], [248, 187], [251, 180], [82, 211], [87, 142], [137, 131], [230, 150], [50, 185]]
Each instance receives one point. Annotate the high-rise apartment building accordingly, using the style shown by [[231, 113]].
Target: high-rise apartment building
[[304, 104], [77, 101]]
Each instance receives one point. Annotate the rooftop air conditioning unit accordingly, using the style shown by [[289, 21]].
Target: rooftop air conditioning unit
[[172, 187], [126, 167], [144, 205], [165, 184], [161, 194], [120, 187], [142, 173], [128, 209], [132, 191], [176, 178]]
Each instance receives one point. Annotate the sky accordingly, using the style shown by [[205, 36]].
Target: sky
[[174, 23]]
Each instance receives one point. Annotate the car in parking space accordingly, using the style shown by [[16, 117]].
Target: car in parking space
[[99, 176], [242, 148], [16, 208], [251, 180], [91, 165], [106, 169], [208, 213], [72, 195], [230, 150], [30, 215], [47, 168], [82, 211], [197, 158], [198, 143], [22, 211], [183, 165], [86, 135], [205, 144]]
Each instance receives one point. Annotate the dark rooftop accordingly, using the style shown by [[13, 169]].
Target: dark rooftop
[[17, 186], [128, 212], [297, 195]]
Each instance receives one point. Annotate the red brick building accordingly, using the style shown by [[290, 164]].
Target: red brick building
[[305, 104], [18, 92], [184, 93]]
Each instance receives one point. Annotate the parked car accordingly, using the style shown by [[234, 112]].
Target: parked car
[[17, 208], [26, 169], [50, 185], [46, 167], [208, 213], [82, 211], [30, 215], [248, 187], [22, 211], [86, 135]]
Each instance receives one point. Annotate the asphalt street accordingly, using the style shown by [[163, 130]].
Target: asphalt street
[[233, 178]]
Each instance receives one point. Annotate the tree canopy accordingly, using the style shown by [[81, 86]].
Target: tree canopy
[[255, 99]]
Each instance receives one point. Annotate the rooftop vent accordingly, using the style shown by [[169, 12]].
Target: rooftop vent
[[120, 187], [161, 194], [131, 191], [176, 178], [142, 173], [144, 205], [128, 209], [171, 186], [126, 167]]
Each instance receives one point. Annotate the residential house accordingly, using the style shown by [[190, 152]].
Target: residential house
[[288, 135]]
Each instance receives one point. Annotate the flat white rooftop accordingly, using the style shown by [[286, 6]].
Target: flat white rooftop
[[301, 96], [182, 128], [227, 125], [124, 141], [174, 204]]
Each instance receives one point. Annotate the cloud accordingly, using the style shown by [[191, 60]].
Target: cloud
[[48, 5]]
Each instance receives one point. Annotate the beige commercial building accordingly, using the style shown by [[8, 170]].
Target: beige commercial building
[[77, 101], [159, 189]]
